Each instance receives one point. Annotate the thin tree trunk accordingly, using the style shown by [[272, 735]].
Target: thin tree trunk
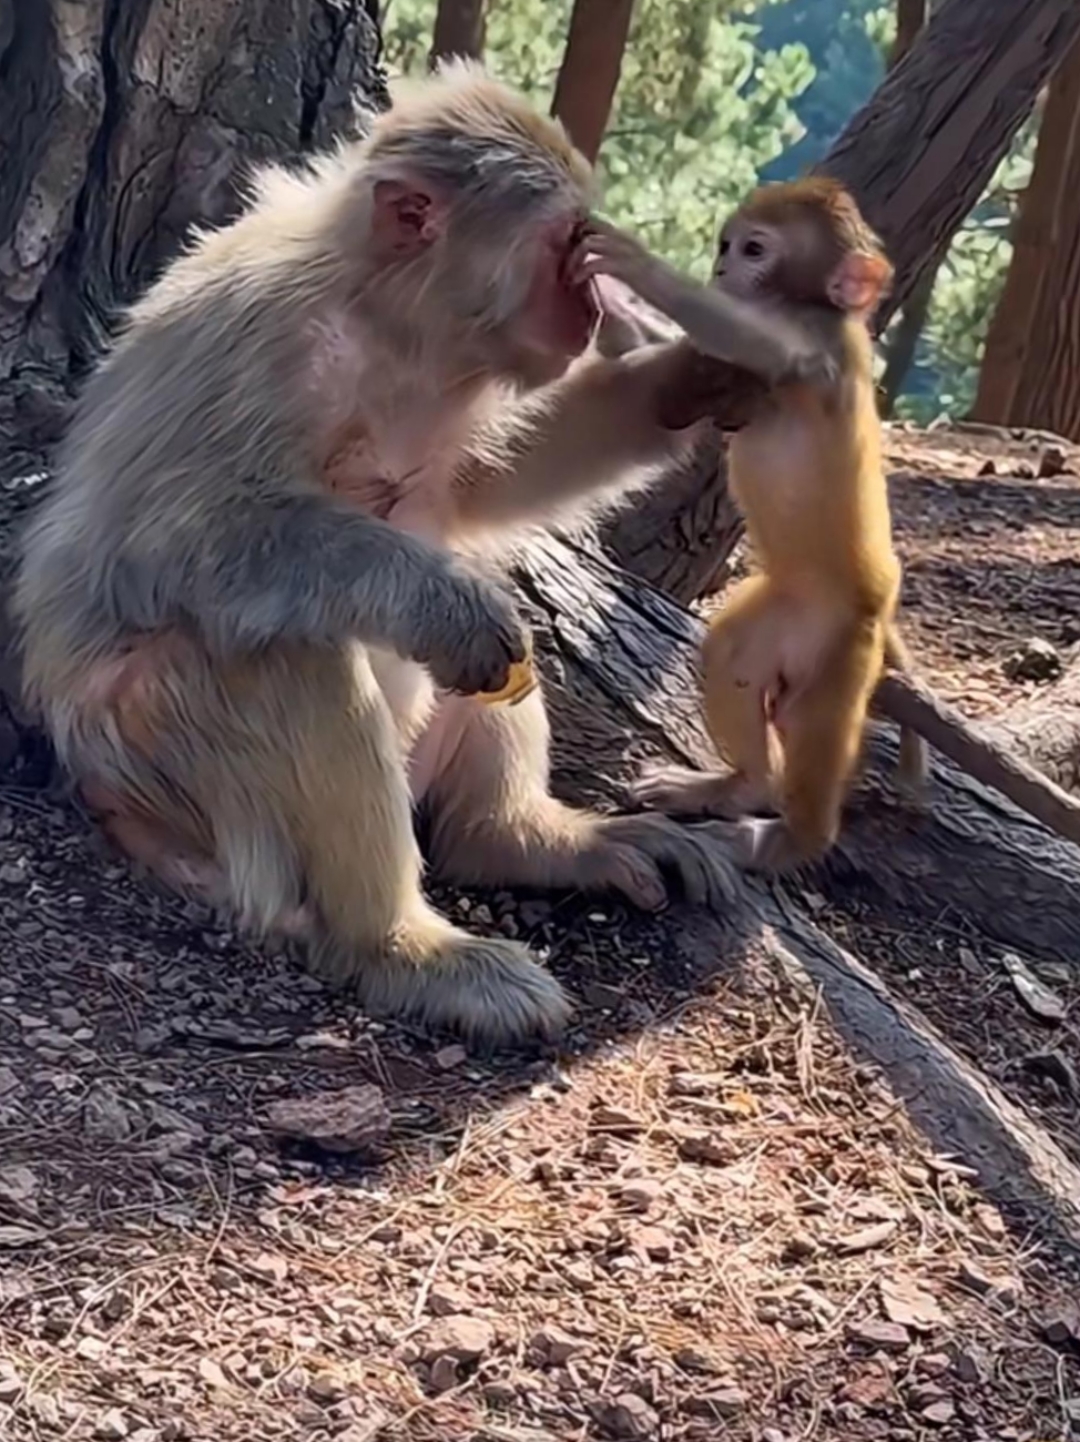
[[917, 157], [459, 30], [911, 17], [589, 73], [1033, 245]]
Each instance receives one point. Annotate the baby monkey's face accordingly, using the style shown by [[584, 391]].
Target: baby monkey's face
[[748, 259]]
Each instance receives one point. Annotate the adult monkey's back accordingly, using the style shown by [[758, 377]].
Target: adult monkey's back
[[243, 596]]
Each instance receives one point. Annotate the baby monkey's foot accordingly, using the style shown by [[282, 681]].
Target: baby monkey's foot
[[769, 844], [680, 791]]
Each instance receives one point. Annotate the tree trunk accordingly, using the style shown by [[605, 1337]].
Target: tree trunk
[[1034, 243], [459, 30], [122, 123], [589, 73], [917, 157], [911, 17], [1046, 391]]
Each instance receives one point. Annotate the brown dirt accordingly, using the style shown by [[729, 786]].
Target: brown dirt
[[691, 1224]]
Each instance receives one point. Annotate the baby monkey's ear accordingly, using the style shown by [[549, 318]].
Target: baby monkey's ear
[[858, 282], [407, 217]]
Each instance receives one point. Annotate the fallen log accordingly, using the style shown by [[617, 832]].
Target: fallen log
[[619, 662], [909, 703]]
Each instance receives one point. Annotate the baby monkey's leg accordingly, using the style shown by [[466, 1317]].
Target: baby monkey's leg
[[740, 666], [494, 822], [821, 726], [913, 765]]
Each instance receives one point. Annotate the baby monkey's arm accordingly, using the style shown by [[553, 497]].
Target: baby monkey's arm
[[758, 338]]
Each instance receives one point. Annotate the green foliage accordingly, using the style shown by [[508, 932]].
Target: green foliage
[[716, 94], [700, 109]]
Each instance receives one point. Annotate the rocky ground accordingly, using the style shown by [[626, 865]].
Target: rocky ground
[[702, 1219]]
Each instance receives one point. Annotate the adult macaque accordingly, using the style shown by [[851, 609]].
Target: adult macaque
[[245, 615], [792, 660]]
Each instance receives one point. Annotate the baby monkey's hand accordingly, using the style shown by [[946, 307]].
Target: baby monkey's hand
[[603, 249]]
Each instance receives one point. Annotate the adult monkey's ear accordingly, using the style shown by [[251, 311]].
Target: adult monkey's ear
[[407, 217], [699, 387]]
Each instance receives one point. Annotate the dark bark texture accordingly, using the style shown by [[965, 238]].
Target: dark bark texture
[[124, 122]]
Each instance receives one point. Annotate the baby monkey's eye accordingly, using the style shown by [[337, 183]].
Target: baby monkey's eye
[[725, 246], [753, 249]]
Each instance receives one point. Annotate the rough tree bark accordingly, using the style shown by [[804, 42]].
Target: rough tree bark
[[1034, 242], [917, 156], [122, 122], [911, 17], [1046, 393], [459, 30], [589, 73]]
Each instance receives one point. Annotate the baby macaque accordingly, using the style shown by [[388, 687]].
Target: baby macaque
[[261, 606], [792, 660]]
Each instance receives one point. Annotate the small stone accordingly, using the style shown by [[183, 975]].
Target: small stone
[[873, 1332], [445, 1300], [273, 1268], [11, 1384], [327, 1388], [90, 1349], [973, 1365], [1034, 660], [1039, 998], [105, 1117], [19, 1185], [212, 1374], [989, 1221], [799, 1248], [654, 1242], [449, 1057], [938, 1413], [112, 1426], [725, 1403], [933, 1364], [640, 1194], [462, 1338], [707, 1147], [1062, 1328], [628, 1416], [557, 1347], [500, 1393], [871, 1386], [351, 1120], [1052, 462], [443, 1375], [1055, 1067], [902, 1301], [694, 1084], [614, 1119]]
